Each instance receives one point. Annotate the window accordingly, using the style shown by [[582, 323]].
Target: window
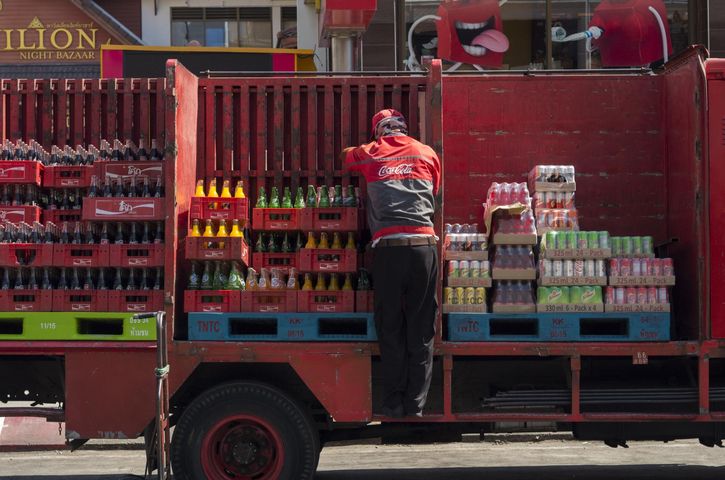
[[287, 37], [222, 27]]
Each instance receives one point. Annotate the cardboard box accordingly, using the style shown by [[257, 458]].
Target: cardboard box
[[514, 239], [469, 282], [498, 308], [572, 281], [513, 274], [554, 187], [576, 254], [638, 308], [647, 280], [447, 308], [571, 308], [473, 255]]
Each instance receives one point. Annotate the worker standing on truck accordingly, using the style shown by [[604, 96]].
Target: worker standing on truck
[[403, 177]]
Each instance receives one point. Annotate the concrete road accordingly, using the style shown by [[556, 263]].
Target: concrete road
[[546, 460]]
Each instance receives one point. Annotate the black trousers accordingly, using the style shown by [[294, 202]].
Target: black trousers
[[405, 281]]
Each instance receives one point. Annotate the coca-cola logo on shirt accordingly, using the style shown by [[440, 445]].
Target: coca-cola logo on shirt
[[402, 169]]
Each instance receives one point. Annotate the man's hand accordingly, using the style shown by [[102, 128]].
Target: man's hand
[[343, 154]]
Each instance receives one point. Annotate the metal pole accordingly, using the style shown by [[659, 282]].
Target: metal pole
[[400, 34], [549, 45], [343, 53]]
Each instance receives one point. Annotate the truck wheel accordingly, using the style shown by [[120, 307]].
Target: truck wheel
[[244, 431]]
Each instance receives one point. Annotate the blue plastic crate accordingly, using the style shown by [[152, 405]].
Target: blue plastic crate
[[283, 327], [559, 327]]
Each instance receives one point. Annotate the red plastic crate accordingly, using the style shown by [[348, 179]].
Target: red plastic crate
[[60, 216], [80, 300], [235, 248], [364, 301], [340, 219], [203, 208], [222, 301], [80, 255], [21, 171], [22, 213], [64, 176], [120, 209], [137, 255], [135, 300], [283, 261], [125, 170], [276, 218], [26, 300], [325, 302], [269, 301], [26, 254], [328, 260]]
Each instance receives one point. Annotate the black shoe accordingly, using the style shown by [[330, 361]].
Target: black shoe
[[397, 412]]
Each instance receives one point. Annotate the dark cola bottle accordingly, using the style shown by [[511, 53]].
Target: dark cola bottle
[[131, 285], [158, 188], [146, 238], [119, 234], [159, 235], [89, 237], [142, 153], [88, 281], [133, 236], [144, 280], [77, 238], [118, 191], [132, 187], [33, 281], [145, 190], [5, 285], [63, 280], [46, 284], [158, 278], [19, 279], [104, 240], [102, 282], [107, 192], [155, 153], [75, 283], [117, 282]]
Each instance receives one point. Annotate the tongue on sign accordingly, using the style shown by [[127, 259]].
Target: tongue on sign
[[492, 40]]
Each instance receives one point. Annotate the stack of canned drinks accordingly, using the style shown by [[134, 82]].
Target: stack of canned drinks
[[554, 188], [572, 268], [641, 296], [641, 267], [474, 297], [577, 295], [464, 238], [632, 247], [551, 174], [469, 269], [571, 240]]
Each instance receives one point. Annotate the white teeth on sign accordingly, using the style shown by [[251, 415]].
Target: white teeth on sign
[[470, 26], [474, 50]]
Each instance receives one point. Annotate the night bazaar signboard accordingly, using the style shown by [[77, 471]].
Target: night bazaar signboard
[[50, 31]]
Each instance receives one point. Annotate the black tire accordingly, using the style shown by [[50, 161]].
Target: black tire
[[244, 430]]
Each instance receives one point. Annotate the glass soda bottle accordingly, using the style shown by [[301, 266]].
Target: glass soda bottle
[[311, 196], [274, 198], [287, 198], [239, 190], [299, 198]]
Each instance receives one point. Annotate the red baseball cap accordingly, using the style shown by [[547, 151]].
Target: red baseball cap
[[382, 115]]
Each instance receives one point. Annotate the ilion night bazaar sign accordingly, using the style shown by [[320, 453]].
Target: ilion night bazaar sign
[[58, 41]]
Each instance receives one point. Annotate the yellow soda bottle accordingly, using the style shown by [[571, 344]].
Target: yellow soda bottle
[[195, 228], [199, 188], [208, 232], [320, 285], [348, 283], [212, 193], [336, 240], [307, 285], [311, 242], [239, 190], [334, 283], [324, 242], [236, 232], [350, 241], [226, 192]]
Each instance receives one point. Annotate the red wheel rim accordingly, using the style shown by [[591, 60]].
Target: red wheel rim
[[242, 447]]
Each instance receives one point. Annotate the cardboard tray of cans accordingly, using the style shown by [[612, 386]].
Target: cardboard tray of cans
[[576, 253], [21, 171], [266, 219], [63, 176], [123, 208], [21, 213], [515, 239], [459, 255], [638, 308], [643, 280], [570, 308], [484, 282], [513, 274], [449, 308], [341, 219], [572, 281], [216, 248], [506, 308]]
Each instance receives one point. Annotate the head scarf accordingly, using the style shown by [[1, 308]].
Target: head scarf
[[389, 122]]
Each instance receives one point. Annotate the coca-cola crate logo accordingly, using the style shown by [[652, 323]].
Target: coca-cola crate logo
[[111, 208], [13, 172], [136, 307], [126, 170], [24, 307], [12, 215], [138, 262], [213, 253], [80, 307]]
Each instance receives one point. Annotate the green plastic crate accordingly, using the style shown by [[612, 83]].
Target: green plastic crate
[[71, 326]]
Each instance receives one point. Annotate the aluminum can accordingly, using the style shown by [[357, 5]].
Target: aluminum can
[[647, 245], [481, 242], [539, 200], [668, 268], [609, 295], [547, 268], [627, 247], [464, 269], [568, 268], [480, 296], [625, 267], [475, 269], [614, 267], [448, 296], [551, 199], [662, 296], [630, 295], [590, 268], [557, 268], [637, 246], [646, 266], [604, 240], [458, 296], [575, 295], [568, 200], [619, 296], [616, 246], [571, 239], [642, 295], [593, 239], [470, 296], [578, 268], [636, 267], [562, 241], [656, 264], [652, 295], [542, 295], [453, 270], [582, 240], [601, 269], [485, 269]]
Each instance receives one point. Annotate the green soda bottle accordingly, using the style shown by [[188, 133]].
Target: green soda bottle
[[286, 247], [261, 198], [311, 196], [274, 198], [337, 199], [259, 246], [194, 277], [272, 244], [287, 198], [350, 200], [300, 198], [206, 277], [300, 242], [235, 281], [324, 197], [220, 279]]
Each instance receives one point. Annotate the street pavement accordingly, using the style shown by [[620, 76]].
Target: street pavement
[[490, 460]]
